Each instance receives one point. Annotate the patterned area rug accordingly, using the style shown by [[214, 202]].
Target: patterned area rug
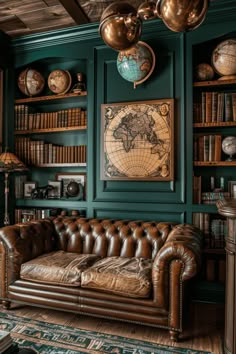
[[50, 338]]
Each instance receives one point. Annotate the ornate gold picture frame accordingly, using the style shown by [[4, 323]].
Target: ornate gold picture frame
[[137, 140]]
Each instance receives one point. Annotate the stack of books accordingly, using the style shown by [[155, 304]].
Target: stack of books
[[5, 341]]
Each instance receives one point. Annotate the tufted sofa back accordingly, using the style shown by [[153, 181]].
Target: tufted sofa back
[[107, 237]]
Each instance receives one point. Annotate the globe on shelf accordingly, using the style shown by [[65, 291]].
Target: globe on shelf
[[137, 63], [59, 81], [224, 57], [204, 72], [31, 82], [229, 147]]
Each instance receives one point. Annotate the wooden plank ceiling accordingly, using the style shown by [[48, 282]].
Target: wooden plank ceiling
[[22, 17]]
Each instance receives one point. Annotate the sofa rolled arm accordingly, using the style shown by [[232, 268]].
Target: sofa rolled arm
[[20, 243], [12, 250], [183, 245]]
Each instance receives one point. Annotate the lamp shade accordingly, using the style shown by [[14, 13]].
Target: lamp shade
[[9, 162]]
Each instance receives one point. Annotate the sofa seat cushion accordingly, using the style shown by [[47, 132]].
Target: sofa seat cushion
[[120, 275], [57, 268]]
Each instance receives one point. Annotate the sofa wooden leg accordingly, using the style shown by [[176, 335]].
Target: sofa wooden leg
[[174, 336], [6, 304]]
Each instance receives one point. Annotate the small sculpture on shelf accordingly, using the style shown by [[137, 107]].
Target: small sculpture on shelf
[[80, 85], [41, 192]]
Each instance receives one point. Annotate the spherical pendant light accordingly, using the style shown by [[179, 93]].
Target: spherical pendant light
[[182, 15], [120, 27], [147, 10]]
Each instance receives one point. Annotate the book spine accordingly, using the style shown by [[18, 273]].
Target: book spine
[[203, 107], [208, 107], [228, 107], [206, 147], [218, 147]]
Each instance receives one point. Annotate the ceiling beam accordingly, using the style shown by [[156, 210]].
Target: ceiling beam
[[75, 11]]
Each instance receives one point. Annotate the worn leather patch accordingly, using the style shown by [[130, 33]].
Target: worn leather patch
[[120, 275], [57, 268]]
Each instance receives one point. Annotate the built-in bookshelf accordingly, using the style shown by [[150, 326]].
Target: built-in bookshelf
[[29, 120], [214, 118], [51, 139], [214, 229]]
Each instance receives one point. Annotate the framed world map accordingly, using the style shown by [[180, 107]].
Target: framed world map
[[137, 140]]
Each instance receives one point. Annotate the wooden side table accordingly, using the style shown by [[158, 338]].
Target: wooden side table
[[227, 208]]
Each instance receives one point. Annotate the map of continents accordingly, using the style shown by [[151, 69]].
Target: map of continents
[[137, 141]]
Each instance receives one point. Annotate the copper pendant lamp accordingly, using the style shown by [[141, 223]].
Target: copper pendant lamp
[[182, 15], [147, 10], [120, 27]]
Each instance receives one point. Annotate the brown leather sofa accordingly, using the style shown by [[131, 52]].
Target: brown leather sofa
[[126, 270]]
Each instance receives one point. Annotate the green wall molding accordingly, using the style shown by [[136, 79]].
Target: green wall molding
[[79, 34], [89, 32], [76, 34]]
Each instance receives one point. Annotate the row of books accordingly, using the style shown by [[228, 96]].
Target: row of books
[[25, 119], [218, 189], [212, 197], [19, 183], [26, 215], [207, 147], [33, 214], [211, 107], [214, 229], [38, 152]]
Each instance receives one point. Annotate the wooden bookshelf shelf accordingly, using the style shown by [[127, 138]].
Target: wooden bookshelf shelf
[[77, 164], [51, 203], [49, 98], [205, 208], [214, 83], [214, 124], [49, 130], [215, 163]]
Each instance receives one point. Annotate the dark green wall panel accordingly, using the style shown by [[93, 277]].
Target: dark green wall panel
[[133, 214], [165, 82]]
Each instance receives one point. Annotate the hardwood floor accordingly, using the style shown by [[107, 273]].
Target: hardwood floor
[[204, 326]]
